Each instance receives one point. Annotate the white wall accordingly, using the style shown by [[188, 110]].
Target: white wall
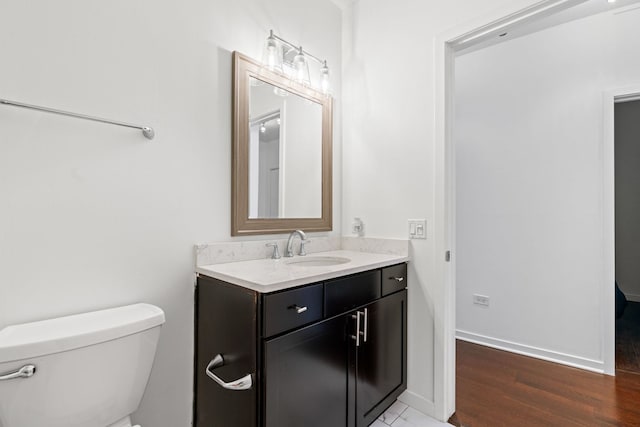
[[94, 216], [627, 153], [529, 129], [389, 151]]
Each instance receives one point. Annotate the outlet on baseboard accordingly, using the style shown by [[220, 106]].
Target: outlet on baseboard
[[481, 300]]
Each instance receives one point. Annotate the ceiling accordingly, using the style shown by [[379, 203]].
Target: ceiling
[[582, 10]]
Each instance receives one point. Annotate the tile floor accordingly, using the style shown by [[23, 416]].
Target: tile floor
[[401, 415]]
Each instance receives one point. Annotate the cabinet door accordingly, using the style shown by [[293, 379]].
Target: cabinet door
[[381, 372], [225, 324], [306, 377]]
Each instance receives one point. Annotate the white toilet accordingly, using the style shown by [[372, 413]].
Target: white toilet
[[85, 370]]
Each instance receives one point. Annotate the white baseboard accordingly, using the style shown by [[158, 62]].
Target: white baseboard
[[632, 297], [419, 403], [538, 353]]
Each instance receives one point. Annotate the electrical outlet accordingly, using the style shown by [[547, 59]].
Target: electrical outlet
[[357, 227], [481, 300]]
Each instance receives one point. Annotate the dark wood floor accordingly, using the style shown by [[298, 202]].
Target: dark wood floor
[[497, 388]]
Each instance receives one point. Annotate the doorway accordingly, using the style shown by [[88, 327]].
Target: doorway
[[533, 269], [627, 233], [448, 45]]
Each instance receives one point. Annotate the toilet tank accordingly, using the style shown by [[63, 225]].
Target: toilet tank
[[91, 369]]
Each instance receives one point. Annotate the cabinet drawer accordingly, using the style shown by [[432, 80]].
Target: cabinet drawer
[[394, 278], [292, 308], [341, 295]]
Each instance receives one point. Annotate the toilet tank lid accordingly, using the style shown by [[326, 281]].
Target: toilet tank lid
[[28, 340]]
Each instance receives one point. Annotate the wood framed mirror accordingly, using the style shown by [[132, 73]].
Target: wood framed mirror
[[282, 153]]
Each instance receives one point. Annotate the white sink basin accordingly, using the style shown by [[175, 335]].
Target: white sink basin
[[317, 261]]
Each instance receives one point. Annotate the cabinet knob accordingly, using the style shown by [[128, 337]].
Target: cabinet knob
[[397, 279]]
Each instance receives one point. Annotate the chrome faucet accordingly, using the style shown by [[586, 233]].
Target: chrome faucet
[[289, 251]]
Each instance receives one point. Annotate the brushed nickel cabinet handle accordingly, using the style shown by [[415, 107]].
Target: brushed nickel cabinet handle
[[297, 308], [356, 337], [397, 279], [243, 383], [366, 323]]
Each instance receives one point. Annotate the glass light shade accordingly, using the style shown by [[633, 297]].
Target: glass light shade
[[301, 68], [325, 83], [272, 56]]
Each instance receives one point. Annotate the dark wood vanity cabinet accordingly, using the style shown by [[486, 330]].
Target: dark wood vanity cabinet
[[306, 376], [380, 370], [326, 354]]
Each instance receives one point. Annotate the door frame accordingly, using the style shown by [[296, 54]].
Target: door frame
[[446, 45], [610, 98]]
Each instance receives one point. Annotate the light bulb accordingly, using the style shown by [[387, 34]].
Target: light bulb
[[271, 58], [263, 128], [301, 67], [271, 53], [324, 82], [299, 62]]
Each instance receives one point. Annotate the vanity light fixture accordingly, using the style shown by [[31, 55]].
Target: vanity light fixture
[[272, 55], [293, 61]]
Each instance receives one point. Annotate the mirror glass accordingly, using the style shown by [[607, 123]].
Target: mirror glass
[[285, 153], [282, 153]]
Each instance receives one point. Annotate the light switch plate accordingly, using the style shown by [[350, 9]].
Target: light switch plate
[[417, 228]]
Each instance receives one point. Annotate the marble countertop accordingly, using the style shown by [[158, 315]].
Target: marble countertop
[[269, 275]]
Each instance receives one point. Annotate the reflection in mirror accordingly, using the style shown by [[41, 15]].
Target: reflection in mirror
[[285, 153], [264, 166], [282, 153]]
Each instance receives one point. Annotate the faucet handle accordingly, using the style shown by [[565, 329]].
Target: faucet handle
[[302, 243], [276, 252]]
